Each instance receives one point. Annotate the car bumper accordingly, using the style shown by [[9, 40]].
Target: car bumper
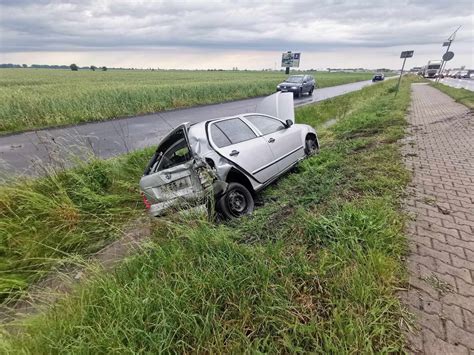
[[288, 90]]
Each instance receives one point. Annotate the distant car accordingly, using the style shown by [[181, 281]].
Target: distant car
[[298, 85], [463, 74], [378, 77], [228, 159]]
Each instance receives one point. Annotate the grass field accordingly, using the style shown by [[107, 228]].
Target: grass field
[[314, 269], [463, 96], [38, 98]]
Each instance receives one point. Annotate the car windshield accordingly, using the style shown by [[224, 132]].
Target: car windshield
[[294, 79]]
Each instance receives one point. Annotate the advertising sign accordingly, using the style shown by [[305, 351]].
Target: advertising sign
[[290, 60]]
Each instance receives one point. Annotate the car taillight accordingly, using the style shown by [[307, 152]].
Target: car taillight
[[145, 201]]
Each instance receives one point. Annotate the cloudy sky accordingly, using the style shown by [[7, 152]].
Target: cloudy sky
[[224, 34]]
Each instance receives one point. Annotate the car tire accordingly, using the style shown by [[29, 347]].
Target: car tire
[[236, 202], [310, 92], [311, 146], [297, 94]]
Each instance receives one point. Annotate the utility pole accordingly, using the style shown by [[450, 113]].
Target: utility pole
[[446, 44]]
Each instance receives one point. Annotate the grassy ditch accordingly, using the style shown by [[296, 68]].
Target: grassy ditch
[[463, 96], [38, 98], [48, 222], [314, 269]]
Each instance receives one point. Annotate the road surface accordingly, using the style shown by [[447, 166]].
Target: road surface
[[28, 153], [467, 84]]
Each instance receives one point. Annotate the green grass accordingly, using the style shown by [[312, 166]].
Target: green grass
[[46, 222], [314, 269], [463, 96], [38, 98]]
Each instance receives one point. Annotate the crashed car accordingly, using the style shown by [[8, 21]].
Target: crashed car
[[229, 159]]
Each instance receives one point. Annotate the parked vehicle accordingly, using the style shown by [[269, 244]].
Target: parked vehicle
[[431, 69], [298, 85], [230, 158], [378, 77], [462, 74]]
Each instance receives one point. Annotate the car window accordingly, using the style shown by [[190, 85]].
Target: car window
[[295, 79], [264, 124], [235, 130], [218, 137], [177, 154]]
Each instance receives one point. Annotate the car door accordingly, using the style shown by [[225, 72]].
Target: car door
[[284, 141], [171, 179], [236, 141]]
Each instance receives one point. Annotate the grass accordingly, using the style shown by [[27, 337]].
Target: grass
[[46, 222], [39, 98], [463, 96], [314, 269]]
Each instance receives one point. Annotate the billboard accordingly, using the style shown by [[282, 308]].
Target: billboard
[[290, 60]]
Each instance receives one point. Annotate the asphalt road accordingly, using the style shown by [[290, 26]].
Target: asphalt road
[[30, 152], [467, 84]]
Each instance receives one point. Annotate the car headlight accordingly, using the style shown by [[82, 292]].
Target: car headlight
[[294, 87], [278, 86]]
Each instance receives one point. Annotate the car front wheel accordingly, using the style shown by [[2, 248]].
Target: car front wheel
[[311, 91], [236, 202], [311, 147]]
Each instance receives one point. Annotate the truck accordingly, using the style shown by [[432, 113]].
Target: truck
[[431, 69]]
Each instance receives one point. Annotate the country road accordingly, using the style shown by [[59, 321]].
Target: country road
[[24, 153]]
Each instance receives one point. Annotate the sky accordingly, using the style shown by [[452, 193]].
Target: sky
[[226, 34]]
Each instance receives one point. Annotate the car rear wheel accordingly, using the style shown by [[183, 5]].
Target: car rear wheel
[[236, 202], [311, 147]]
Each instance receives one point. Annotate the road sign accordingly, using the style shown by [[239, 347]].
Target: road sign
[[448, 56], [406, 54], [290, 60]]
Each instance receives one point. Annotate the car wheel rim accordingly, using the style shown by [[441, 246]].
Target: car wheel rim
[[311, 147], [237, 203]]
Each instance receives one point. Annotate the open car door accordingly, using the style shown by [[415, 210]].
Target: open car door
[[172, 178], [279, 105]]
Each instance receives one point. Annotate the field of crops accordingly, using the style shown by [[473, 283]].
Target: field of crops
[[38, 98]]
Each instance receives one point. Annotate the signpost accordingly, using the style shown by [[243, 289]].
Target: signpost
[[404, 55], [450, 56], [290, 60]]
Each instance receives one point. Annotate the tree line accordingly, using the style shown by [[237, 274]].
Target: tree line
[[73, 67]]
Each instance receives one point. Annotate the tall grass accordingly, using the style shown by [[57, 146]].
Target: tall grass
[[314, 269], [37, 98], [461, 95], [46, 221]]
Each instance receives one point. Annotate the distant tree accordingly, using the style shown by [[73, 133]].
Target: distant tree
[[93, 67], [104, 68], [74, 67], [24, 65]]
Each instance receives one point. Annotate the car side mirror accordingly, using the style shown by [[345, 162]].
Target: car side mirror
[[289, 123]]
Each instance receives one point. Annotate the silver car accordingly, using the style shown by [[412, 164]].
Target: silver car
[[227, 159]]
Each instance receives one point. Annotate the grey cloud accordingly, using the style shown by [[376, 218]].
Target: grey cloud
[[305, 25]]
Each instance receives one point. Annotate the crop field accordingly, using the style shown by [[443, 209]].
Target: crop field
[[315, 268], [39, 98]]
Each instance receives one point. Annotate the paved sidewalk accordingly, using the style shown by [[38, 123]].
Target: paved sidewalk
[[439, 150]]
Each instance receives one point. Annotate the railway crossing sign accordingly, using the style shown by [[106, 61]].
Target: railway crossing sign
[[406, 54]]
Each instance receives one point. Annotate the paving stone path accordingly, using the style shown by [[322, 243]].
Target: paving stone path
[[439, 151]]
